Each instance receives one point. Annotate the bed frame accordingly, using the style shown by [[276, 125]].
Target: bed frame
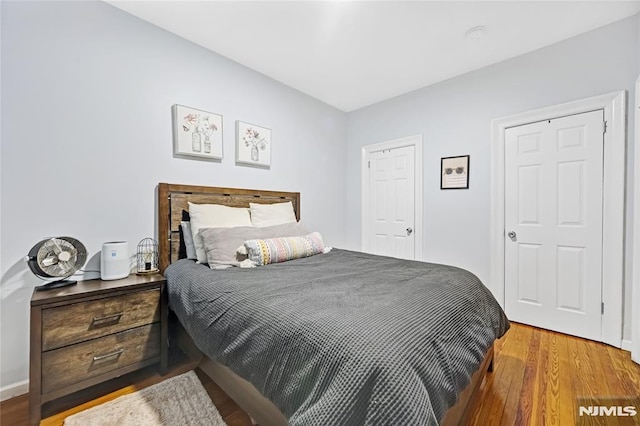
[[172, 200]]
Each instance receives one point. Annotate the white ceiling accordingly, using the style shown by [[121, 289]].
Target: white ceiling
[[351, 54]]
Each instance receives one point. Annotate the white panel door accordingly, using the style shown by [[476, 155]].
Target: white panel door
[[392, 202], [553, 221]]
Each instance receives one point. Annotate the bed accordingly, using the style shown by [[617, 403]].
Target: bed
[[337, 338]]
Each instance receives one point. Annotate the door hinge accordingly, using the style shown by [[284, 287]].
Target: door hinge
[[368, 164], [604, 126], [602, 308]]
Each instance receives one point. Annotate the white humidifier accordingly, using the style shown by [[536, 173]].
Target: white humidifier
[[114, 260]]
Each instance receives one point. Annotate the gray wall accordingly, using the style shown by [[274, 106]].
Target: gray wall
[[86, 136], [455, 118]]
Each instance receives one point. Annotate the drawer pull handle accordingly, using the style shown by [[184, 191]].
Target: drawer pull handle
[[107, 318], [111, 355]]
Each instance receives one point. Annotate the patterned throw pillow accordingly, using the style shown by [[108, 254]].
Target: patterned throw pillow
[[275, 250]]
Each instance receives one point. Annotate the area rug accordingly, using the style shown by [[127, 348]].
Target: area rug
[[181, 400]]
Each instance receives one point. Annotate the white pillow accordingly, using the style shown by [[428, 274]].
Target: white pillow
[[214, 216], [187, 237], [272, 214]]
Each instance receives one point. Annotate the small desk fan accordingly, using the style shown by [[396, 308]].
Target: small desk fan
[[58, 258]]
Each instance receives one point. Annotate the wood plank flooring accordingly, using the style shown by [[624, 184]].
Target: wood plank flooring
[[538, 376]]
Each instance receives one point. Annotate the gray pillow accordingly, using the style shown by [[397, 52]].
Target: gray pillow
[[221, 244]]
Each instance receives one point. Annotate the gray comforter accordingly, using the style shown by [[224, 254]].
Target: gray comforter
[[343, 338]]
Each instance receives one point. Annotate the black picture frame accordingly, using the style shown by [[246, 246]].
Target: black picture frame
[[454, 172]]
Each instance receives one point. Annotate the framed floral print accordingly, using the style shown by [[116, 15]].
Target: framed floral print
[[253, 145], [196, 133]]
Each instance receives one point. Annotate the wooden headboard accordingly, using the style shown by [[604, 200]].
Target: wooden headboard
[[173, 199]]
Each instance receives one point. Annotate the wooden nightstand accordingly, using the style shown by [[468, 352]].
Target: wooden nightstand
[[92, 332]]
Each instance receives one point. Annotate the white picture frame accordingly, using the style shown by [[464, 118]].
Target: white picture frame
[[253, 145], [196, 133]]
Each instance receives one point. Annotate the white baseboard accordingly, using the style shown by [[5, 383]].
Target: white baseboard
[[13, 390], [626, 345]]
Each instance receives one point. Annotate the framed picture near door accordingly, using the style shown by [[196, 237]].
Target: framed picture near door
[[454, 172]]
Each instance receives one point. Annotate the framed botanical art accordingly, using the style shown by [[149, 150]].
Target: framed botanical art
[[253, 145], [454, 172], [197, 133]]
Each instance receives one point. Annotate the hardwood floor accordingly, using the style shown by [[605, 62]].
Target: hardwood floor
[[538, 376]]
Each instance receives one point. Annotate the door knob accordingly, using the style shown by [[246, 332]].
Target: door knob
[[511, 234], [409, 231]]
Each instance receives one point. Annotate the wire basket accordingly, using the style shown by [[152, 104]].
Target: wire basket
[[147, 256]]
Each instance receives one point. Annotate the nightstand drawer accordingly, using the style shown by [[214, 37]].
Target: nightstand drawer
[[72, 364], [82, 321]]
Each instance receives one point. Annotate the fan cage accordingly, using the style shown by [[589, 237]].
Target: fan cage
[[51, 248], [147, 256]]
